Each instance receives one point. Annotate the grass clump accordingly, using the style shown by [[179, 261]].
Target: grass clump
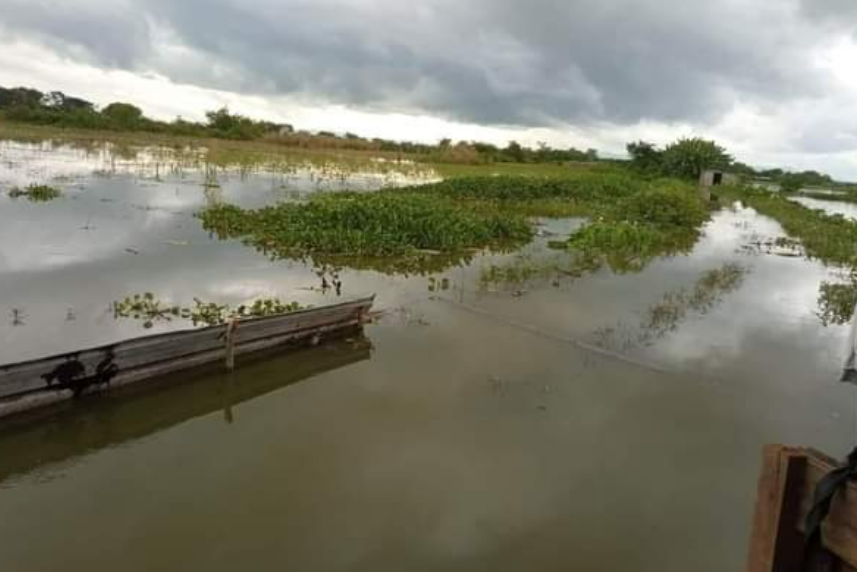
[[836, 302], [36, 193]]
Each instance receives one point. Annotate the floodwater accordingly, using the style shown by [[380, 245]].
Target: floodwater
[[846, 209], [489, 421]]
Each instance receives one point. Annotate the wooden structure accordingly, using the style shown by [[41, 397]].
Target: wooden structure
[[713, 178], [36, 383], [786, 487]]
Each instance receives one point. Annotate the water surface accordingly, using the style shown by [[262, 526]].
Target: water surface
[[846, 209], [469, 428]]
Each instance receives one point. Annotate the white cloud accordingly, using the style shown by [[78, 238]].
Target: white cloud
[[773, 83]]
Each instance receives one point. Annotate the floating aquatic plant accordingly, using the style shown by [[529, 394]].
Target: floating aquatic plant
[[148, 309], [36, 193]]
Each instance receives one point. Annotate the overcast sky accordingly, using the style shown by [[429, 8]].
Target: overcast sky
[[774, 80]]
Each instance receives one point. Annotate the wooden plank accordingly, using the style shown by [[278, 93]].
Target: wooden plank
[[40, 374], [766, 520], [772, 531], [790, 542]]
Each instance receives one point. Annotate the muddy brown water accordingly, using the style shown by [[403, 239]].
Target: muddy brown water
[[468, 429]]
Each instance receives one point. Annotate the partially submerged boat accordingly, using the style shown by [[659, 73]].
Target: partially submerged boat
[[34, 384]]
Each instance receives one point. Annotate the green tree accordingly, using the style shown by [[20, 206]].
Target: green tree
[[688, 158], [123, 115], [514, 152], [645, 157]]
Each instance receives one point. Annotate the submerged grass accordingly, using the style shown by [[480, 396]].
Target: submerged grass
[[830, 238], [674, 308], [36, 193], [847, 197]]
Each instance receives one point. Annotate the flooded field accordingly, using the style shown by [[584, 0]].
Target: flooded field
[[846, 209], [502, 414]]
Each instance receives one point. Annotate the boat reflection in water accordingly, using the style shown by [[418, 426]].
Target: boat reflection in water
[[30, 443]]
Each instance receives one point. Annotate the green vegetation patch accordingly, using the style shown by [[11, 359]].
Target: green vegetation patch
[[149, 310], [635, 220], [836, 302], [36, 193], [660, 221], [386, 223]]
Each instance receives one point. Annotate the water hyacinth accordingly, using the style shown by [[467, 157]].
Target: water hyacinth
[[36, 193], [149, 310], [368, 224]]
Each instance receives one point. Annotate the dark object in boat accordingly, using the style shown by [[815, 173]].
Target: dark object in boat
[[36, 383]]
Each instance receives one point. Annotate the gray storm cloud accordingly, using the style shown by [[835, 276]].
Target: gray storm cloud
[[533, 63]]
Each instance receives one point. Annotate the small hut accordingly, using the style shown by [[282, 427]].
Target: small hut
[[713, 178]]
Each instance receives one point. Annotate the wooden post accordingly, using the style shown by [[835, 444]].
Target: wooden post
[[231, 335]]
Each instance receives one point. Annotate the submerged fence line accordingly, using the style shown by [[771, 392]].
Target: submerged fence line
[[578, 343]]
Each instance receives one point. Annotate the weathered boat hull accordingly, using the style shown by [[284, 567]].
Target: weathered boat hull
[[32, 384]]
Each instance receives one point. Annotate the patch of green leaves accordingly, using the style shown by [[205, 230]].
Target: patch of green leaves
[[150, 310], [663, 220], [36, 193]]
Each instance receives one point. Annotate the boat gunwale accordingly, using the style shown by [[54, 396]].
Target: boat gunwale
[[358, 302]]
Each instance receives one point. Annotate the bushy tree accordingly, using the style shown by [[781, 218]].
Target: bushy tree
[[514, 151], [645, 157], [688, 158], [20, 97], [233, 126], [123, 115]]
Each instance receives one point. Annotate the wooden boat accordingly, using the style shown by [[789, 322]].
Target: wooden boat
[[32, 384]]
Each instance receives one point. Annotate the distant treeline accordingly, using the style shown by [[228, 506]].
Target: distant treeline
[[60, 110], [687, 158], [57, 109]]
